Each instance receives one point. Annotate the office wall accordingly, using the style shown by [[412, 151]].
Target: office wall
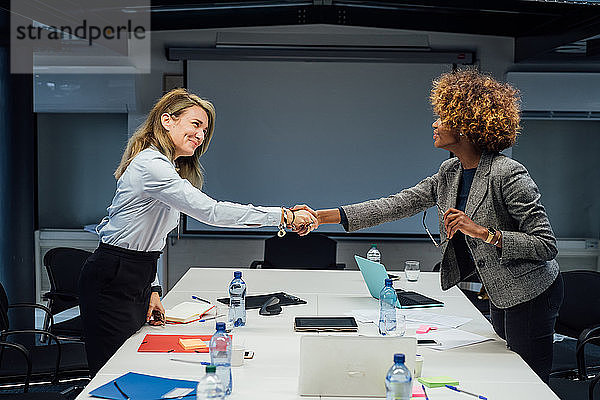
[[494, 55], [77, 155], [561, 158]]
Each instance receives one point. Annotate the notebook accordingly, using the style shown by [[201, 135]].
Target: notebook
[[375, 274], [352, 366], [187, 311]]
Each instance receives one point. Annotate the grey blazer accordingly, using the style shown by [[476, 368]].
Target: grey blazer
[[504, 197]]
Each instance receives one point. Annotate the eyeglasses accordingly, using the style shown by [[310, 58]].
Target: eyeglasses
[[427, 230]]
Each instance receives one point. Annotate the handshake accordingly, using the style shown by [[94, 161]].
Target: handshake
[[302, 219]]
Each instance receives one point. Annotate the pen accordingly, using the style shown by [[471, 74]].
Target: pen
[[199, 299], [465, 392], [209, 318], [190, 361], [424, 391]]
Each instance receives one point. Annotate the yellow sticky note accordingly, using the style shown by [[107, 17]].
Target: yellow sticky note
[[192, 344], [438, 381]]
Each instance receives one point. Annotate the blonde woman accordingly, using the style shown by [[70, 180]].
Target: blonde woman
[[159, 176]]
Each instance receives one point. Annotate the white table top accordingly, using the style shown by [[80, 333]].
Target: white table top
[[487, 368]]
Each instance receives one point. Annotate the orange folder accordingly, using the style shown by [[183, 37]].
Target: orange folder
[[170, 343]]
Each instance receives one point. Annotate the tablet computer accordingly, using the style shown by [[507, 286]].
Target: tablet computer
[[325, 324]]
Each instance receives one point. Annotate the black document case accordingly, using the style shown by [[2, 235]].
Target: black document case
[[257, 301]]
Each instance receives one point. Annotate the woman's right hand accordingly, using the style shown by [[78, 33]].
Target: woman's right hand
[[304, 221]]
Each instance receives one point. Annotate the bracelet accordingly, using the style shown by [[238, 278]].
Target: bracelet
[[293, 218], [281, 232], [498, 240], [491, 234]]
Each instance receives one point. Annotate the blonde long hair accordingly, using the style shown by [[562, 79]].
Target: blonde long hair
[[153, 133]]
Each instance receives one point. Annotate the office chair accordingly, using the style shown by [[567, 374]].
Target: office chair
[[579, 318], [49, 363], [313, 251], [63, 265], [24, 393]]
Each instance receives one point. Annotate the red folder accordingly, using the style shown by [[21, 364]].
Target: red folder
[[170, 343]]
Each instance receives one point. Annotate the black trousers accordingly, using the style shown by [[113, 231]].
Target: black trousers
[[114, 294], [528, 328]]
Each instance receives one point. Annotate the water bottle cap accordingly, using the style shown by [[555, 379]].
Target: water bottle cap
[[399, 358], [373, 246], [220, 326], [388, 282], [211, 369], [237, 274]]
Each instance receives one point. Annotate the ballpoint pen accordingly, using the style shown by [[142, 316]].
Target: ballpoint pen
[[465, 392], [209, 318], [190, 361], [199, 299], [425, 392]]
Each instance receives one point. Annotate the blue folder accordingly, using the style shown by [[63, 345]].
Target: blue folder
[[140, 386]]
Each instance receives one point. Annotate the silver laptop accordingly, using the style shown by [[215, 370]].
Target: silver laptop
[[350, 366]]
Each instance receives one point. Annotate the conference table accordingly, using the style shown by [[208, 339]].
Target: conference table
[[487, 368]]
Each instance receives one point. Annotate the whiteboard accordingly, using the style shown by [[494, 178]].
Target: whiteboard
[[320, 133]]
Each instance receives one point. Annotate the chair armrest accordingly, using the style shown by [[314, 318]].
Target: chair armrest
[[21, 349], [587, 336], [593, 384], [60, 295], [33, 305], [4, 334], [256, 263]]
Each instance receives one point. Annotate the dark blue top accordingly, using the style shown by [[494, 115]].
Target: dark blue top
[[466, 265]]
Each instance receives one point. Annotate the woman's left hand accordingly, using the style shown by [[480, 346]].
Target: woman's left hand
[[456, 220], [155, 309]]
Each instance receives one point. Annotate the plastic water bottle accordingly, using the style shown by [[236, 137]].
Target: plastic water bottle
[[220, 355], [398, 381], [387, 309], [373, 254], [237, 301], [210, 386]]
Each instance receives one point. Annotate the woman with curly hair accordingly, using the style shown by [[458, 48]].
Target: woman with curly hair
[[492, 222]]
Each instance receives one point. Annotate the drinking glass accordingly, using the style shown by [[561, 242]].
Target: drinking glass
[[412, 271]]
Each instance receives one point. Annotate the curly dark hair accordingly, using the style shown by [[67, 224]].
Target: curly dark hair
[[483, 109]]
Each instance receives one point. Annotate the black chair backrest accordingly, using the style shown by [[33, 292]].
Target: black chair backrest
[[63, 265], [581, 304], [313, 251], [4, 325]]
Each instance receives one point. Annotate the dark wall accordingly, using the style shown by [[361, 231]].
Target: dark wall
[[77, 155], [562, 158]]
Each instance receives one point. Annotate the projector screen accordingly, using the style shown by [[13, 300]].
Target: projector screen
[[320, 133]]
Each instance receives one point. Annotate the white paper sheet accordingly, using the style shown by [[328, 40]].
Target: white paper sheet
[[452, 338], [372, 315]]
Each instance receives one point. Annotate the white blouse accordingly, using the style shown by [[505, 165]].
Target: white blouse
[[150, 194]]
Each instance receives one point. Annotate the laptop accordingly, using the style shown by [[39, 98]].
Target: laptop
[[349, 366], [375, 274]]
